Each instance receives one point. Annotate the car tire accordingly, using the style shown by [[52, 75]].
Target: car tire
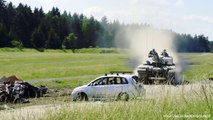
[[81, 97], [123, 96]]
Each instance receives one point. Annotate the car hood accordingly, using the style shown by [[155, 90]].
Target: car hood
[[80, 88]]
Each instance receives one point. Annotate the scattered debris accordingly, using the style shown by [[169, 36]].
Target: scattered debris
[[15, 90]]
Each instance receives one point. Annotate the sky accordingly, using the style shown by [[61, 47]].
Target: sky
[[182, 16]]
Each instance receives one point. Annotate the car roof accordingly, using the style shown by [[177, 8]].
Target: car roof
[[117, 75], [127, 76]]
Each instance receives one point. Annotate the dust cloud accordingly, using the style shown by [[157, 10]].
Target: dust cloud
[[139, 41]]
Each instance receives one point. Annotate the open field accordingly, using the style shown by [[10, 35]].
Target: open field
[[59, 69], [200, 66]]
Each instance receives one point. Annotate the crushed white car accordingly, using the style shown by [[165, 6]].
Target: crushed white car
[[110, 86]]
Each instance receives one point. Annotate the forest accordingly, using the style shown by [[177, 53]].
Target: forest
[[24, 27]]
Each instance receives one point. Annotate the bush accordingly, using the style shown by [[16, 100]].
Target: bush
[[17, 43]]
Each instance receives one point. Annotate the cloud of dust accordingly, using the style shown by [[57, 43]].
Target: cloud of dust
[[139, 41]]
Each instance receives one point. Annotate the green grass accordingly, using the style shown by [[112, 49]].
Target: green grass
[[134, 110], [200, 68], [72, 69], [197, 105], [59, 69]]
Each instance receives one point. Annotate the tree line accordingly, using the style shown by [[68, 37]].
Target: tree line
[[23, 27]]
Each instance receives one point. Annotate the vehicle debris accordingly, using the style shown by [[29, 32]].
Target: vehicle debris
[[15, 90]]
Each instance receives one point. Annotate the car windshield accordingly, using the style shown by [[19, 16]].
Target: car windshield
[[135, 79]]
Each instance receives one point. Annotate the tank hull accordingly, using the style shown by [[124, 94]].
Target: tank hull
[[156, 75]]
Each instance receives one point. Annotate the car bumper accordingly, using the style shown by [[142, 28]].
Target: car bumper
[[73, 96]]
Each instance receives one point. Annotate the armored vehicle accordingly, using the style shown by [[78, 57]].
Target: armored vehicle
[[158, 69]]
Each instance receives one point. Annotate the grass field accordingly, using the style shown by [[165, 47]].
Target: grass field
[[59, 69], [200, 66]]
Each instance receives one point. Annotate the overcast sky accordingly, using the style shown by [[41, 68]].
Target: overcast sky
[[182, 16]]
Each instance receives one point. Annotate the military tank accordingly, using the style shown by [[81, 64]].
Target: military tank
[[158, 69]]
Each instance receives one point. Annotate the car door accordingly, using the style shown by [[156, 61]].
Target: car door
[[98, 88], [108, 87], [114, 87]]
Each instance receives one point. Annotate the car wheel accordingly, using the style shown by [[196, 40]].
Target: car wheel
[[81, 97], [123, 96]]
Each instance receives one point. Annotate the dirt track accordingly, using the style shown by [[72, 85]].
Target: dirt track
[[152, 92]]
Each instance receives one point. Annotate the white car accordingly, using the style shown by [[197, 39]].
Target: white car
[[113, 86]]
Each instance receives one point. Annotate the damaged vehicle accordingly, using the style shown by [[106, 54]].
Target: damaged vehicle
[[15, 90], [117, 86]]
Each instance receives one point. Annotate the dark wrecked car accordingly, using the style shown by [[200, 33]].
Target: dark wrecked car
[[16, 90]]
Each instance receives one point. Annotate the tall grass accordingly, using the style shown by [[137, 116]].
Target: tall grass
[[182, 103], [197, 105]]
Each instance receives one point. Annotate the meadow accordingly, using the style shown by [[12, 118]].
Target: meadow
[[64, 69], [59, 69]]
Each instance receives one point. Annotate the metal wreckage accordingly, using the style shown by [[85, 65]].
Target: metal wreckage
[[15, 90]]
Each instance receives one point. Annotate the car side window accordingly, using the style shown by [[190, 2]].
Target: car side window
[[117, 80], [100, 81], [112, 80], [123, 81]]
